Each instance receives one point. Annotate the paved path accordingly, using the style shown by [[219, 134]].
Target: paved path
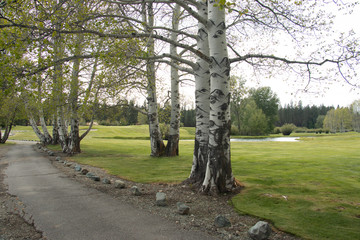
[[65, 209]]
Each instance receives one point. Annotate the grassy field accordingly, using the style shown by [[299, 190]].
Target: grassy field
[[310, 188]]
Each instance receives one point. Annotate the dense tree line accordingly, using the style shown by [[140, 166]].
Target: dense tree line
[[308, 116], [188, 117], [122, 114]]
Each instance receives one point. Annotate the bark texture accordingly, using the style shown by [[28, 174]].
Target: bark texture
[[62, 130], [172, 147], [218, 176], [37, 131], [202, 94], [156, 141], [74, 138], [55, 137], [4, 138], [47, 136], [58, 85]]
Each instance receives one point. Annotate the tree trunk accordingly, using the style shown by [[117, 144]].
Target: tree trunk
[[48, 138], [156, 142], [172, 147], [62, 130], [5, 137], [37, 131], [218, 176], [58, 91], [55, 137], [74, 139], [202, 93]]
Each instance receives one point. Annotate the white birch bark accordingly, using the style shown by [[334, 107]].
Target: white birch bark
[[218, 177], [47, 135], [202, 93], [37, 131], [172, 147], [74, 138], [55, 135], [58, 93], [63, 135], [33, 124], [8, 125], [48, 138], [156, 142]]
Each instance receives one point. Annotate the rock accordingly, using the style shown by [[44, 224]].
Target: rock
[[96, 178], [135, 190], [77, 168], [221, 221], [93, 177], [68, 164], [51, 153], [58, 159], [89, 175], [182, 208], [119, 184], [84, 171], [260, 231], [161, 199], [106, 181]]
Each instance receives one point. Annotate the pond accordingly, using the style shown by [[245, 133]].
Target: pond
[[276, 139]]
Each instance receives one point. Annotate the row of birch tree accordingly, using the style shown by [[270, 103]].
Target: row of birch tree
[[78, 53]]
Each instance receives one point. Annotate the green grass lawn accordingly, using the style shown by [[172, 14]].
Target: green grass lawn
[[310, 188]]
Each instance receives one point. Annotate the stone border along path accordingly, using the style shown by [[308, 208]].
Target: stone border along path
[[64, 209], [260, 231]]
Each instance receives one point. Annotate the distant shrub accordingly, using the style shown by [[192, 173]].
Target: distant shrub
[[277, 130], [311, 130], [234, 130], [109, 123], [300, 130], [319, 131], [287, 128]]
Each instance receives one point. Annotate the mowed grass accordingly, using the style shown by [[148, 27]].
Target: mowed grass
[[310, 188], [122, 151]]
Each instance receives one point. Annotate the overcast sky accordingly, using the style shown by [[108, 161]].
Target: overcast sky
[[327, 93]]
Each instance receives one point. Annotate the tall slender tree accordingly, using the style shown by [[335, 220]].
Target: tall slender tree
[[156, 141], [202, 95], [172, 146]]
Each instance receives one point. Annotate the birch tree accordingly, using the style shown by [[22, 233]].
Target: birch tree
[[218, 176], [172, 146], [156, 141], [202, 96]]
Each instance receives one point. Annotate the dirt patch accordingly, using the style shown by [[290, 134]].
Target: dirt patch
[[203, 209], [12, 224]]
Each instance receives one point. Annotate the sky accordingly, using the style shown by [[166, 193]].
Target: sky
[[330, 93]]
